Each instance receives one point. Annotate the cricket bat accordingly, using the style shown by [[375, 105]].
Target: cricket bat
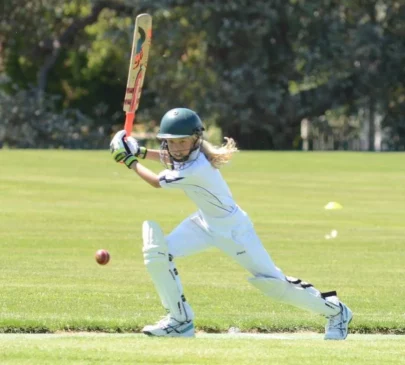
[[137, 68]]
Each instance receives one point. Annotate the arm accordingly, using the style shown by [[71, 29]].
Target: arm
[[145, 174], [126, 150], [153, 155], [143, 152]]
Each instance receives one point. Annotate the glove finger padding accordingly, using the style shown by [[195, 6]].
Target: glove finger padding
[[118, 147], [119, 141], [124, 148], [132, 145]]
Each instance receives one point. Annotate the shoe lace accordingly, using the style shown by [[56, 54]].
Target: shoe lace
[[168, 322], [164, 320]]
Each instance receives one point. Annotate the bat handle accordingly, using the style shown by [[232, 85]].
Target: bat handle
[[129, 122]]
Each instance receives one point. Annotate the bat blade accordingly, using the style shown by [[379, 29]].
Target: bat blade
[[137, 67]]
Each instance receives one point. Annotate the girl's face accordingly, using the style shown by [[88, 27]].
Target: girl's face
[[180, 147]]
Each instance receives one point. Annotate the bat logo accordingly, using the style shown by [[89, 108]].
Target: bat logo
[[137, 66], [139, 50]]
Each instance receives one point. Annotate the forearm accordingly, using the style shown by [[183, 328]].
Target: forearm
[[145, 174], [153, 155]]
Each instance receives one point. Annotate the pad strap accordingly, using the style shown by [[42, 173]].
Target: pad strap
[[299, 294]]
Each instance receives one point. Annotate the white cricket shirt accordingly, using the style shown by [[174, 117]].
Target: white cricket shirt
[[206, 187]]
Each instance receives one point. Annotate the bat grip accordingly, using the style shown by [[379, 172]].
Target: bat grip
[[129, 122]]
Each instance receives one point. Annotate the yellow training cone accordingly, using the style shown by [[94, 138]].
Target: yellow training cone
[[333, 206]]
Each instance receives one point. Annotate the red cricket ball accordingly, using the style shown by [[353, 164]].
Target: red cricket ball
[[102, 257]]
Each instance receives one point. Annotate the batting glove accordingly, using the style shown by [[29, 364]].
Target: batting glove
[[136, 150], [129, 160], [131, 143], [120, 150]]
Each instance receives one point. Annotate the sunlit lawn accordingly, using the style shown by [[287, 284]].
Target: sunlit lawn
[[205, 349], [58, 207]]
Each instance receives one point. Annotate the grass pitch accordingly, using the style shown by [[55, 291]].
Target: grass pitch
[[286, 349], [58, 207]]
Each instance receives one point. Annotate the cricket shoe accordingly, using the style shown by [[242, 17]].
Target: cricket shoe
[[170, 327], [338, 325]]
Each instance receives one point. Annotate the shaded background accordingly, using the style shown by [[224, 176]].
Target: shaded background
[[259, 71]]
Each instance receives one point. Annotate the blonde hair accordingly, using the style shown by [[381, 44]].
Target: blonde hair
[[219, 156]]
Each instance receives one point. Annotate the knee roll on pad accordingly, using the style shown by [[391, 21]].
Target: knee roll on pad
[[297, 293], [154, 244]]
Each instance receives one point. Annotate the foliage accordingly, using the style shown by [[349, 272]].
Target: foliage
[[254, 69], [30, 120]]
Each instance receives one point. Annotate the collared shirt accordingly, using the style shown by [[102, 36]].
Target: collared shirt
[[203, 184]]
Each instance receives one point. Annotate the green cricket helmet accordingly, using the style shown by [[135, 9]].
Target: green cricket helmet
[[180, 123]]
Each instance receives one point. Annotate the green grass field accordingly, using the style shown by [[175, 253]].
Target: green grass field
[[205, 349], [58, 207]]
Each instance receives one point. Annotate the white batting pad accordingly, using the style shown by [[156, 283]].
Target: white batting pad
[[163, 272], [306, 298]]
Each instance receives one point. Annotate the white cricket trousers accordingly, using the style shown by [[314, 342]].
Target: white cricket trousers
[[236, 237]]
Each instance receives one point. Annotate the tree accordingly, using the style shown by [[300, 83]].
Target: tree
[[255, 69]]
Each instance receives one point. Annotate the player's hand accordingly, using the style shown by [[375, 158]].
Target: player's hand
[[129, 160], [135, 148], [120, 150], [118, 147], [131, 144]]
